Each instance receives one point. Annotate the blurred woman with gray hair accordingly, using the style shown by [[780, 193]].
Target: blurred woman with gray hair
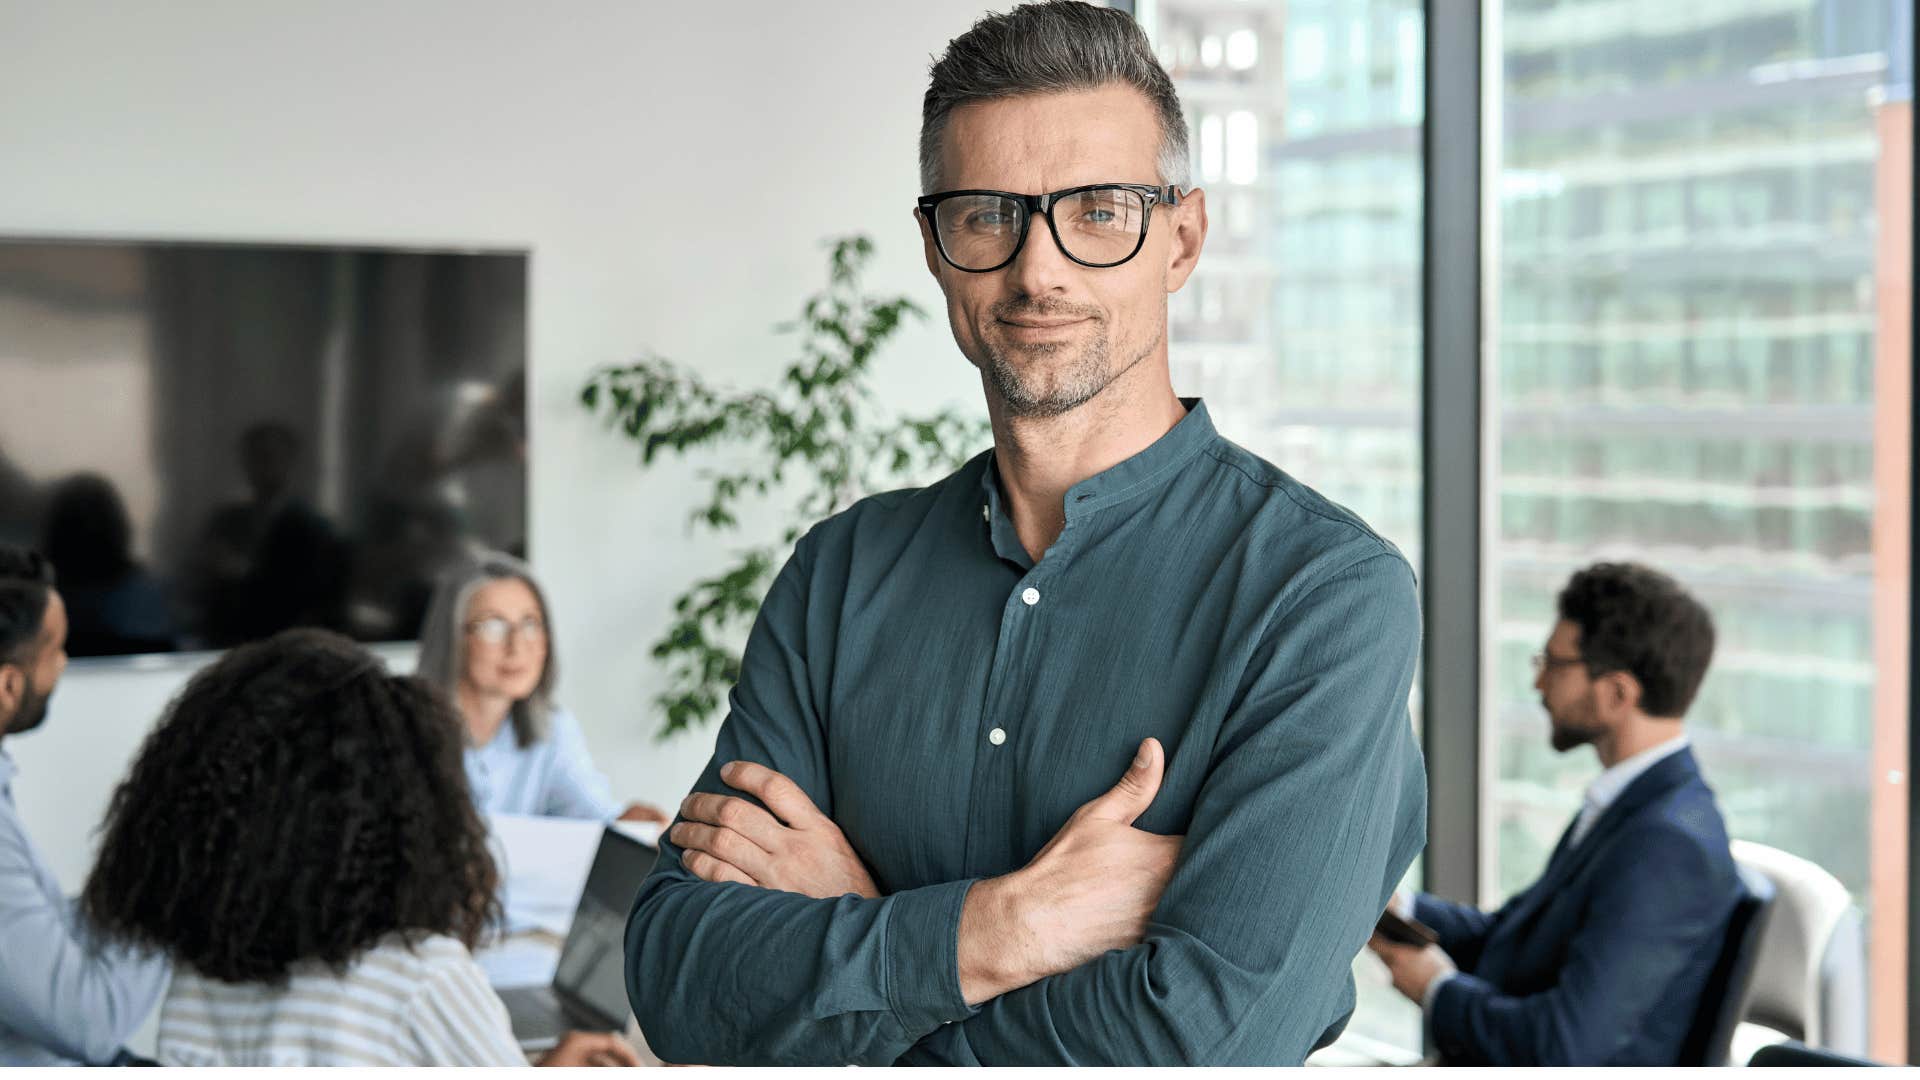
[[488, 643]]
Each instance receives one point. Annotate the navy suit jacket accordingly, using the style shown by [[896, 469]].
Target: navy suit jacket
[[1603, 960]]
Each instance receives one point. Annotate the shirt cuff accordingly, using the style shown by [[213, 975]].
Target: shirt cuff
[[923, 956], [1433, 991]]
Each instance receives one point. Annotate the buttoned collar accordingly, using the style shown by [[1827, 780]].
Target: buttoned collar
[[1141, 473], [8, 770]]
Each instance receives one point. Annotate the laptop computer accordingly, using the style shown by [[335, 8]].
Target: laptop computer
[[589, 989]]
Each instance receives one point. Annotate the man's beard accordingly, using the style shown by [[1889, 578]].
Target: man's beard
[[1083, 377], [1577, 728], [31, 713]]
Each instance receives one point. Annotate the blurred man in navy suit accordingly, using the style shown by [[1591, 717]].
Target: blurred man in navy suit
[[1603, 960]]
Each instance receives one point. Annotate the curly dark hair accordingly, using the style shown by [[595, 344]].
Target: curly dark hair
[[296, 802], [1636, 619]]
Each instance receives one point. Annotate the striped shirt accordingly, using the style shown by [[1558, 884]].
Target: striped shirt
[[430, 1005]]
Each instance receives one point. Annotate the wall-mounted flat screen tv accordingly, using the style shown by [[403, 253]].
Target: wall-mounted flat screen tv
[[214, 442]]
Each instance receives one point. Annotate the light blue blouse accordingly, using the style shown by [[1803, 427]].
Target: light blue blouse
[[554, 777]]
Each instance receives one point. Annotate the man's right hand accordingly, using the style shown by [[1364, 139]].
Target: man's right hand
[[1090, 890]]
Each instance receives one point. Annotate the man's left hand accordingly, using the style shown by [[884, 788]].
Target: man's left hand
[[794, 848], [1413, 967]]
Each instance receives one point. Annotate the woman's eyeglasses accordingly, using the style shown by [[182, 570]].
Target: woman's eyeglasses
[[495, 630]]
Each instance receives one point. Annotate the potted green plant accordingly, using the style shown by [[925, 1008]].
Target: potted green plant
[[817, 439]]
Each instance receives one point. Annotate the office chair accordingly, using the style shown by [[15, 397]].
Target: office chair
[[1799, 1055], [1811, 979], [1728, 987]]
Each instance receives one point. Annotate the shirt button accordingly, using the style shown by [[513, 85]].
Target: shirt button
[[996, 736], [984, 516], [1031, 596]]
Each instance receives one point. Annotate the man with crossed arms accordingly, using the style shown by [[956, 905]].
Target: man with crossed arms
[[936, 865]]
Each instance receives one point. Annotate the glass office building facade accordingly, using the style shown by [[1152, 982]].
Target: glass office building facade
[[1688, 363], [1302, 326], [1689, 351], [1686, 332]]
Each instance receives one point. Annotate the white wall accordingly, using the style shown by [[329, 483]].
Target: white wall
[[673, 168]]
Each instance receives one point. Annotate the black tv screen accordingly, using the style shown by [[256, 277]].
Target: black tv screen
[[215, 442]]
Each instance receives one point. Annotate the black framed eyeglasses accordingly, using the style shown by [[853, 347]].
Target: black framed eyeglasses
[[1096, 225]]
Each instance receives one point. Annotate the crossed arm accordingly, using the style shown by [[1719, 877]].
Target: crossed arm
[[1312, 807], [1089, 890]]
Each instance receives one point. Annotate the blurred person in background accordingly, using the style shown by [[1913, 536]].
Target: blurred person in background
[[65, 998], [488, 643], [1603, 960], [297, 835], [114, 606], [270, 561], [19, 503]]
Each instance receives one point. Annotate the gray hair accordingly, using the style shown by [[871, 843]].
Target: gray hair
[[1051, 47], [443, 638]]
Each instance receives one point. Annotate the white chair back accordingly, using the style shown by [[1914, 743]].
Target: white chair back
[[1810, 981]]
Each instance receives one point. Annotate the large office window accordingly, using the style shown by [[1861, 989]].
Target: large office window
[[1302, 327], [1698, 344], [1697, 367]]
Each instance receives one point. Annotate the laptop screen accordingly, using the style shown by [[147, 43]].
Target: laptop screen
[[593, 962]]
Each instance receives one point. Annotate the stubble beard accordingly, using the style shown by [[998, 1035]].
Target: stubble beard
[[1041, 389], [31, 713], [1574, 730], [1068, 390]]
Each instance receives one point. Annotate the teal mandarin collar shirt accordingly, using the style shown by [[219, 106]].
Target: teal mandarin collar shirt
[[949, 702]]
